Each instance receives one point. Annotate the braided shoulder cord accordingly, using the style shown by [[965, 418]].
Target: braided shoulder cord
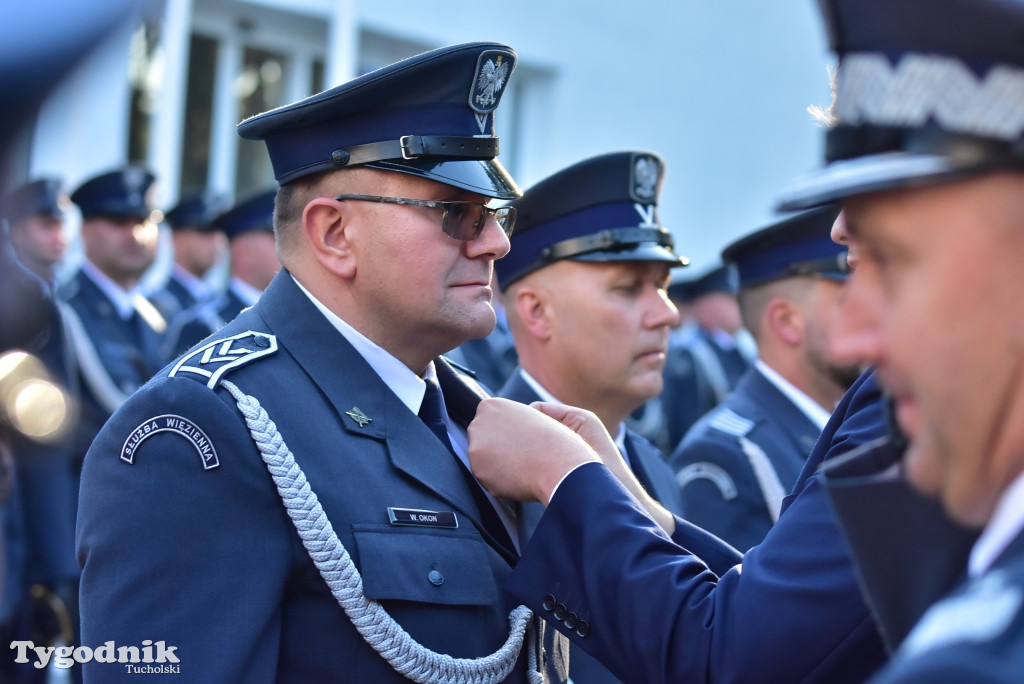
[[381, 632]]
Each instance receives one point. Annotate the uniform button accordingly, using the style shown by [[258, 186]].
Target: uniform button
[[549, 603], [561, 611], [571, 619], [261, 341], [583, 629], [436, 578]]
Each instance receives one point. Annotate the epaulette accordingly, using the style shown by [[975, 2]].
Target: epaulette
[[213, 360], [730, 422], [459, 367]]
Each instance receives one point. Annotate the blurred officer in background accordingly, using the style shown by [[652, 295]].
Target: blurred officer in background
[[198, 244], [738, 462], [45, 481], [585, 285], [926, 155], [333, 380], [249, 227], [707, 356], [115, 332]]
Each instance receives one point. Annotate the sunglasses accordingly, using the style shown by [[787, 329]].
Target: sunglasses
[[459, 220]]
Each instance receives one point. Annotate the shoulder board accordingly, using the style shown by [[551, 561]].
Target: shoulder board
[[459, 367], [730, 422], [212, 360]]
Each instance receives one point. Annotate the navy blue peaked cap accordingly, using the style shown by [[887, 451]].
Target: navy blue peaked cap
[[796, 245], [253, 212], [600, 209], [196, 210], [431, 116], [926, 91], [124, 192], [720, 278], [41, 197]]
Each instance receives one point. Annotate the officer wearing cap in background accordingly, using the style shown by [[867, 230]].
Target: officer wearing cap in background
[[197, 244], [368, 550], [926, 156], [249, 227], [738, 462], [708, 353], [115, 333], [41, 509], [584, 286], [35, 220]]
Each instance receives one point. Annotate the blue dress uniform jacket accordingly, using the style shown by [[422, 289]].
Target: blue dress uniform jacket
[[654, 474], [128, 352], [208, 561], [654, 613], [735, 465], [173, 298]]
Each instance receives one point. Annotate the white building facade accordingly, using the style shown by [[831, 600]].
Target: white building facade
[[720, 90]]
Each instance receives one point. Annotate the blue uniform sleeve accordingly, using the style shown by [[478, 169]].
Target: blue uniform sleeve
[[169, 548], [791, 612]]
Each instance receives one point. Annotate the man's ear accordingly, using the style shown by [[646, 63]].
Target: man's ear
[[785, 319], [533, 310], [326, 224]]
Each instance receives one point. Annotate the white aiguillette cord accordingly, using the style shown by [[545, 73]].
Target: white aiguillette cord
[[399, 649]]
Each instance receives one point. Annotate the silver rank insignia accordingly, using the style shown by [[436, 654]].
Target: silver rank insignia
[[357, 415], [493, 68], [212, 360]]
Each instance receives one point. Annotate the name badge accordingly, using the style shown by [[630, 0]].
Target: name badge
[[418, 518]]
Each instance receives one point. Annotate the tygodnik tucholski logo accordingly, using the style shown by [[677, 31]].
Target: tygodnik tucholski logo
[[152, 658]]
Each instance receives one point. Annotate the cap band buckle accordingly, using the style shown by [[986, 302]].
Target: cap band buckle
[[410, 147]]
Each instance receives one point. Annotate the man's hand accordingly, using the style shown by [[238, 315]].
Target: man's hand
[[518, 452]]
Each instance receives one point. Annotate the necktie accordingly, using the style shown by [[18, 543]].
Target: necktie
[[431, 413]]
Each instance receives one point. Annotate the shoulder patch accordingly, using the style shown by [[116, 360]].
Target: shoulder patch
[[171, 423], [212, 360], [708, 471], [981, 613], [730, 422]]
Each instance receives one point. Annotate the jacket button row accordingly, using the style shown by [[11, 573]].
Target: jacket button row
[[560, 612]]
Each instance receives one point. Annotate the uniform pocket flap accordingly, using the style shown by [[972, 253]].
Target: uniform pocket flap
[[428, 566]]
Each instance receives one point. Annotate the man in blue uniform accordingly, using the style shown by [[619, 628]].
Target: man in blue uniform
[[115, 332], [707, 356], [584, 287], [926, 156], [249, 227], [289, 501], [45, 473], [197, 245], [738, 462]]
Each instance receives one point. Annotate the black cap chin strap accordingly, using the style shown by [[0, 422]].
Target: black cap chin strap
[[606, 239], [415, 146]]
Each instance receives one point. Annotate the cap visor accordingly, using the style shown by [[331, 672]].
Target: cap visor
[[888, 171], [641, 252], [486, 177]]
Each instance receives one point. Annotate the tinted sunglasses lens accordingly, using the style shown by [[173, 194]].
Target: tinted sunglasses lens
[[462, 221], [506, 218]]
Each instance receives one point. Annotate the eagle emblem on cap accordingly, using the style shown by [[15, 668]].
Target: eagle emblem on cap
[[646, 172], [493, 69]]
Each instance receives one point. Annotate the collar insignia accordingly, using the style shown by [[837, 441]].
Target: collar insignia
[[357, 415]]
